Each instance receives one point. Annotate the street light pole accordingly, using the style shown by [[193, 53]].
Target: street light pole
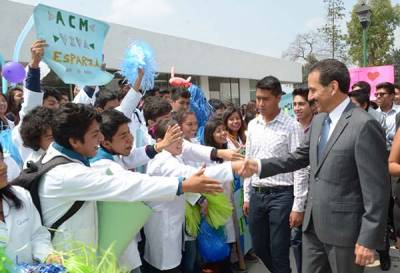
[[364, 15], [365, 47]]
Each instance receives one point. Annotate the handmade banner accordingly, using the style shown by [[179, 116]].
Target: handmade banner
[[75, 51], [373, 75], [286, 104]]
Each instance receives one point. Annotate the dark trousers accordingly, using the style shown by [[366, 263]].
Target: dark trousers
[[269, 228], [324, 258], [296, 243], [148, 268]]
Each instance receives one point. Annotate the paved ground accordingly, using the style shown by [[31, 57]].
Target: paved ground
[[394, 253]]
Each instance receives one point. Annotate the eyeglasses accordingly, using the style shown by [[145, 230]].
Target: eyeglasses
[[382, 94]]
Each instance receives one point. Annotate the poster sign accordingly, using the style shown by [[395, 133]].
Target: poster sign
[[374, 75], [75, 51], [286, 104]]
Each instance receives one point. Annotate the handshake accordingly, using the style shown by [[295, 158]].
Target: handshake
[[245, 168]]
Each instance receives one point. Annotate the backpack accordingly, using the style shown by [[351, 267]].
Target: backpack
[[30, 178]]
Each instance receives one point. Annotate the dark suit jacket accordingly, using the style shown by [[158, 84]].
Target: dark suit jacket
[[349, 189]]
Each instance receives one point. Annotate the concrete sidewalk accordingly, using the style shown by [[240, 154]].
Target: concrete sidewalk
[[394, 253]]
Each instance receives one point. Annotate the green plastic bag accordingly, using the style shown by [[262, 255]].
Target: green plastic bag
[[119, 222]]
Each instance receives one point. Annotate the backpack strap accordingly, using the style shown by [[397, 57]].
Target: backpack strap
[[72, 210]]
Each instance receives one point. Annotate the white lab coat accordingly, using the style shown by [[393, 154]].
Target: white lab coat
[[13, 169], [82, 97], [130, 258], [65, 184], [31, 100], [27, 240], [164, 230]]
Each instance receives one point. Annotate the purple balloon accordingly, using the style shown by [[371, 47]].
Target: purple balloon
[[14, 72]]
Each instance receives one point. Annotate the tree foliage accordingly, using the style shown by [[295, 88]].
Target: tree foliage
[[384, 20], [332, 30]]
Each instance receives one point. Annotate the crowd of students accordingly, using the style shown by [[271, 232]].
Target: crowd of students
[[115, 145]]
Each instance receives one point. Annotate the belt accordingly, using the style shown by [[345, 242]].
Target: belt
[[276, 189]]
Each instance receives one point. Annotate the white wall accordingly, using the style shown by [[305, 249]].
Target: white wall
[[244, 90], [205, 86]]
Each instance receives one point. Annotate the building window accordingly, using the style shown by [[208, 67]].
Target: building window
[[253, 84], [225, 89], [162, 80]]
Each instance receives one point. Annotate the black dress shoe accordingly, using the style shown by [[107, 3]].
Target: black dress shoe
[[385, 261]]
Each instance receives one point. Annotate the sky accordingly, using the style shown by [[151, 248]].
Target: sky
[[265, 27]]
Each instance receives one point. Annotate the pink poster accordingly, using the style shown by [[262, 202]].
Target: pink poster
[[374, 75]]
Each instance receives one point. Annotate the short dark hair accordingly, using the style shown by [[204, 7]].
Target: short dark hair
[[104, 96], [122, 82], [303, 92], [155, 107], [270, 83], [34, 124], [209, 129], [389, 87], [181, 116], [52, 92], [177, 93], [111, 120], [162, 127], [362, 85], [332, 70], [361, 96], [397, 86], [216, 104], [73, 120]]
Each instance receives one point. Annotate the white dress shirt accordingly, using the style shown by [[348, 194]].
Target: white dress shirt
[[276, 138], [390, 117]]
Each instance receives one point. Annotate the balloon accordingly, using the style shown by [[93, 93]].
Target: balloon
[[14, 72]]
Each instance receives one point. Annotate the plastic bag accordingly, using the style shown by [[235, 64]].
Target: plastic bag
[[212, 243]]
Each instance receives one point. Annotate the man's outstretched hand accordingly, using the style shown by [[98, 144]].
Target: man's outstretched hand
[[249, 168]]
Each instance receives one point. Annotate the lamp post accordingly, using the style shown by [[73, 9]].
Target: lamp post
[[364, 15]]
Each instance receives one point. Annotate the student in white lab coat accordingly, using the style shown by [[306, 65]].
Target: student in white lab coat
[[164, 233], [77, 136], [21, 231], [116, 145], [36, 132]]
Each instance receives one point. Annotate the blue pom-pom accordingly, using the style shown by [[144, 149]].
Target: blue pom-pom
[[139, 55], [199, 105], [40, 268]]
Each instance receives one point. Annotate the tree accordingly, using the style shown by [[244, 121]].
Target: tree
[[332, 30], [307, 48], [395, 60], [384, 21]]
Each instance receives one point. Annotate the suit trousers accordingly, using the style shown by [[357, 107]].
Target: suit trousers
[[324, 258], [269, 228]]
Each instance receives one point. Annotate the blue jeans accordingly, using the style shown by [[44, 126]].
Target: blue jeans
[[296, 246], [269, 228]]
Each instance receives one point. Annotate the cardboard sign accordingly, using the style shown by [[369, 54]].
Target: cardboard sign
[[286, 104], [75, 51], [374, 75]]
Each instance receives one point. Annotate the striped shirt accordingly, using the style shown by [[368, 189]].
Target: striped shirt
[[276, 138]]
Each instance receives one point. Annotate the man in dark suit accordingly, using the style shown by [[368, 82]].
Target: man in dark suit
[[345, 217]]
